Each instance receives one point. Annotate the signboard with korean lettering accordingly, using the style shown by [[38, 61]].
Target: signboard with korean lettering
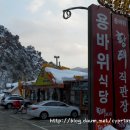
[[100, 63], [121, 54]]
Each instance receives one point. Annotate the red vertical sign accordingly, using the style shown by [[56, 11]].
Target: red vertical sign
[[100, 62], [121, 54]]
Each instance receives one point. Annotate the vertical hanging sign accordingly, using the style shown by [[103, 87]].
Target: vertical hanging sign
[[100, 63], [121, 52]]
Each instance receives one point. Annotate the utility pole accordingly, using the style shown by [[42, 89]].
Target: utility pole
[[57, 57]]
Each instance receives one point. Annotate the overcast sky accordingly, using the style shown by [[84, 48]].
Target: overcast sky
[[40, 23]]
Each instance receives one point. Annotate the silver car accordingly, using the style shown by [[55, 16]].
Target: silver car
[[8, 101], [52, 108]]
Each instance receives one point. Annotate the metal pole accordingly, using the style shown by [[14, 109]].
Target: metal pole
[[57, 57]]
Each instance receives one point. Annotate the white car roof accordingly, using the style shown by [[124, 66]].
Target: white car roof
[[47, 101]]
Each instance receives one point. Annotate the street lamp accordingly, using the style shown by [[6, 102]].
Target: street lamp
[[57, 57], [66, 15], [67, 12]]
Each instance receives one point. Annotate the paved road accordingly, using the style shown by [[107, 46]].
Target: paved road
[[10, 121]]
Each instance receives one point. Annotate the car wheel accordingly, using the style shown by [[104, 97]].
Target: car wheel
[[74, 114], [44, 115], [9, 106]]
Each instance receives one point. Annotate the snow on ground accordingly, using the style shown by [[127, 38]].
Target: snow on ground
[[65, 75]]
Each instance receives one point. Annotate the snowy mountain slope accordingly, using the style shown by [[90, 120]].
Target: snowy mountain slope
[[16, 61], [81, 69]]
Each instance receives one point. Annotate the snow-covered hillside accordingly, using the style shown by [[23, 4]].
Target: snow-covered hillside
[[16, 61]]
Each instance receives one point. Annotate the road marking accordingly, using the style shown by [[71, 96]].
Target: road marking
[[3, 112], [28, 122], [39, 127], [61, 125]]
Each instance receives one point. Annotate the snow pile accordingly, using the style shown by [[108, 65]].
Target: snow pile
[[109, 127], [11, 86], [65, 75], [127, 126]]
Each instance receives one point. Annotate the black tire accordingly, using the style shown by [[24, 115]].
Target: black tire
[[9, 106], [74, 114], [15, 110], [44, 115]]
